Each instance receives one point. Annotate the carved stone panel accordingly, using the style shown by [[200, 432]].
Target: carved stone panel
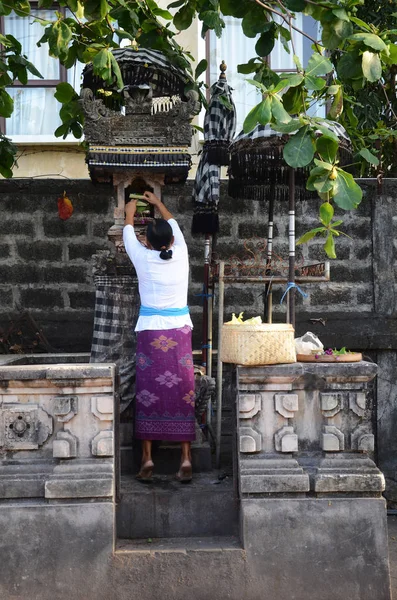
[[103, 444], [250, 440], [332, 439], [102, 407], [65, 445], [249, 405], [357, 403], [25, 427], [286, 404], [65, 408], [362, 439], [286, 440], [331, 403]]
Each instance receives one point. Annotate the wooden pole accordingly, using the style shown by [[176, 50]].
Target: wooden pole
[[219, 373], [291, 240]]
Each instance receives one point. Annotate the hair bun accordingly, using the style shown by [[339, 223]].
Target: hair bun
[[166, 254]]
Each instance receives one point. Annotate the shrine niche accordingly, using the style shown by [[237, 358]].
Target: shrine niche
[[146, 125]]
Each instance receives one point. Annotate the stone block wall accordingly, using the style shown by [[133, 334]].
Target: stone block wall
[[45, 263], [45, 268]]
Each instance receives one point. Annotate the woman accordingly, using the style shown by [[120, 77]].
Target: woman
[[165, 395]]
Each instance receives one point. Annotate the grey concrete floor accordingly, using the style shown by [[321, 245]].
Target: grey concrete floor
[[392, 527]]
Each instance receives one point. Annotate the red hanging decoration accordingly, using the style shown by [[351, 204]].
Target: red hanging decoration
[[65, 207]]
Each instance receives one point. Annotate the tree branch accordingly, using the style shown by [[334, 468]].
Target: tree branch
[[286, 20]]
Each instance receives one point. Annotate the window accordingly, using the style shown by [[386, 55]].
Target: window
[[36, 111], [235, 48]]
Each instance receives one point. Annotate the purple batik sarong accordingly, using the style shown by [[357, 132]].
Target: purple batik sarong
[[165, 394]]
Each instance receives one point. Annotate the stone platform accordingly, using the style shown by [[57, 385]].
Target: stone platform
[[306, 520]]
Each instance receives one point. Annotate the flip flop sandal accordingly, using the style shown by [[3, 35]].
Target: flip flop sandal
[[146, 472], [185, 474]]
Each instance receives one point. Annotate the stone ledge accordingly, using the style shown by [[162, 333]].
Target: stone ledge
[[79, 488]]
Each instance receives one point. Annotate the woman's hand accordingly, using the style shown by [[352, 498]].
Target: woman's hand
[[130, 210], [152, 198]]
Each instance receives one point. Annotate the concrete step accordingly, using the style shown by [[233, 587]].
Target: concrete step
[[167, 458], [221, 543], [165, 508]]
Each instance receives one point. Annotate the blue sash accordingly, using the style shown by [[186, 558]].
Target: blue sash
[[146, 311]]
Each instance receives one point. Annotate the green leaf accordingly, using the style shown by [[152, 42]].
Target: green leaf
[[5, 80], [341, 14], [32, 69], [101, 61], [314, 83], [290, 127], [299, 150], [5, 8], [369, 157], [333, 89], [335, 32], [280, 86], [7, 42], [297, 62], [309, 235], [117, 72], [233, 8], [177, 4], [249, 67], [337, 105], [323, 164], [328, 133], [97, 9], [59, 37], [64, 92], [212, 20], [326, 213], [347, 194], [349, 66], [352, 117], [254, 21], [62, 130], [295, 5], [6, 104], [329, 246], [327, 148], [225, 101], [390, 58], [257, 84], [22, 8], [201, 68], [265, 44], [372, 67], [360, 23], [369, 39], [251, 119], [184, 17], [280, 115], [264, 111], [293, 100], [164, 14], [322, 183], [293, 79], [318, 65]]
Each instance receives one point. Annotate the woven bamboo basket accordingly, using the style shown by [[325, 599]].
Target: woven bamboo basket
[[250, 345]]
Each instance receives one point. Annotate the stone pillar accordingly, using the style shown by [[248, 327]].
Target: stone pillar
[[57, 484], [313, 520]]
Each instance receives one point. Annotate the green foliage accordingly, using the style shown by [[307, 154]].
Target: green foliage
[[353, 68]]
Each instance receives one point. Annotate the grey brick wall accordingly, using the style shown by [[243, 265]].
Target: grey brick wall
[[45, 263]]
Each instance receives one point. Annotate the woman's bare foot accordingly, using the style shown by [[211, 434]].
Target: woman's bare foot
[[185, 473], [146, 472]]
